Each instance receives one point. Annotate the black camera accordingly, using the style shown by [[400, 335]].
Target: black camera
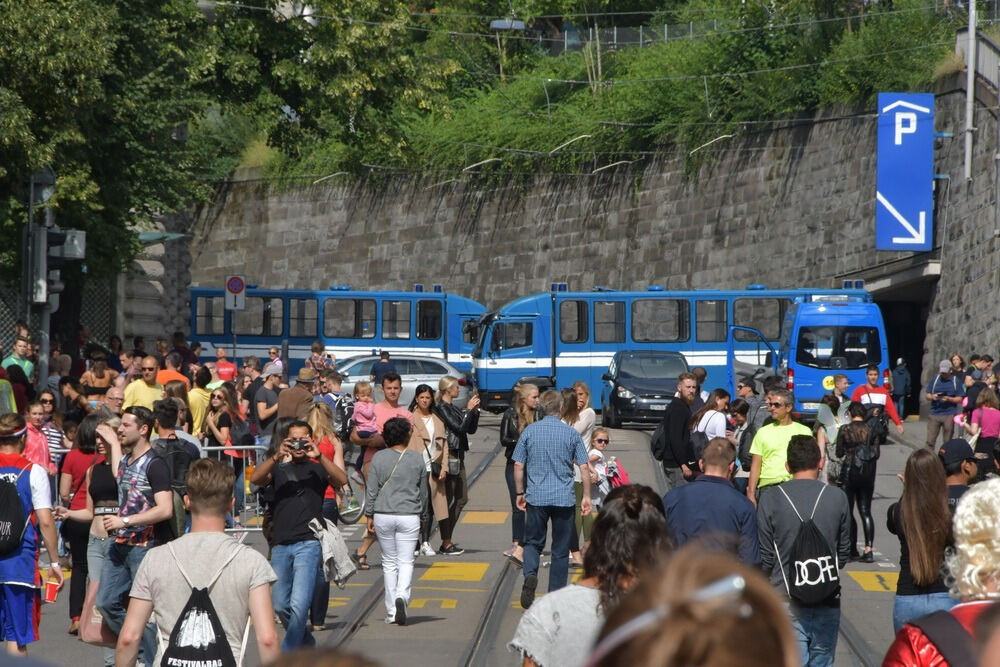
[[299, 444]]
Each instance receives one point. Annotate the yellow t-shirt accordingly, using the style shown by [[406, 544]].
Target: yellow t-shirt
[[198, 400], [137, 392], [771, 443]]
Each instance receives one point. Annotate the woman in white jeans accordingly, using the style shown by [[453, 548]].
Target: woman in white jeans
[[396, 494]]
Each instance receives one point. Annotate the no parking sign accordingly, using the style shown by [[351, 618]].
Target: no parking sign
[[236, 293]]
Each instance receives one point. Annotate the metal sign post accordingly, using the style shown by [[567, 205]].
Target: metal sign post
[[236, 299]]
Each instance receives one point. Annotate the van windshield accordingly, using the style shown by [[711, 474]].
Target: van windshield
[[838, 347]]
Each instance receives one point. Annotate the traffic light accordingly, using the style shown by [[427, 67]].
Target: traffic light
[[51, 248]]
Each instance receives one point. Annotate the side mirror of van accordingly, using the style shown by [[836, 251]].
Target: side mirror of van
[[608, 377], [769, 359]]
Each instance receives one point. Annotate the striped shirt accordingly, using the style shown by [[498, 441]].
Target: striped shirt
[[550, 450]]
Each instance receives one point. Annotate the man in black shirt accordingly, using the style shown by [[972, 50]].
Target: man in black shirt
[[299, 474], [960, 468], [381, 367], [677, 432]]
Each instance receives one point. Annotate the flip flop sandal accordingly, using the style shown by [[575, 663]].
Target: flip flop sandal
[[361, 560]]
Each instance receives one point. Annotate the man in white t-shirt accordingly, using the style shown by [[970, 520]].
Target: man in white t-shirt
[[164, 581]]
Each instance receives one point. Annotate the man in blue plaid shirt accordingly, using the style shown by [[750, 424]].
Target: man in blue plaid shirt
[[549, 449]]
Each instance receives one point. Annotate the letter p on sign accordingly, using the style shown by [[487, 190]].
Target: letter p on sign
[[906, 123]]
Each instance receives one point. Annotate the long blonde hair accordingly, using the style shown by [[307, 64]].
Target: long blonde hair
[[444, 385], [578, 385], [525, 415], [320, 420]]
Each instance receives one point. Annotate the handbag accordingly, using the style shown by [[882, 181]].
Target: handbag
[[93, 629], [454, 465], [435, 466]]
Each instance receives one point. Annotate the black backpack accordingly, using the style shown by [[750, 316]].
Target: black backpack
[[178, 460], [198, 637], [877, 420], [698, 440], [814, 574], [343, 417], [13, 521], [239, 433], [658, 443]]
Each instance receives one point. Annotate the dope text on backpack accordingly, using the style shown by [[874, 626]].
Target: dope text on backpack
[[813, 570], [198, 638], [13, 521], [178, 461]]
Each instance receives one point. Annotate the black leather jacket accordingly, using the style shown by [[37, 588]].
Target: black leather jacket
[[459, 424], [509, 434]]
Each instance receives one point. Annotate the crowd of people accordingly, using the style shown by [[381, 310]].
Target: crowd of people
[[140, 462]]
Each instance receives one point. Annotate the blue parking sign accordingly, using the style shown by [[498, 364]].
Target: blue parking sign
[[904, 196]]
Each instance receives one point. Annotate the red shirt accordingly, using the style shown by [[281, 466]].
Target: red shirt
[[327, 449], [868, 395], [383, 413], [226, 370], [76, 464]]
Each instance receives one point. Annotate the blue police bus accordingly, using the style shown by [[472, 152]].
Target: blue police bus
[[554, 339], [348, 322]]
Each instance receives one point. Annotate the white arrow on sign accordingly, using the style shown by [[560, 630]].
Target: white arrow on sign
[[917, 235]]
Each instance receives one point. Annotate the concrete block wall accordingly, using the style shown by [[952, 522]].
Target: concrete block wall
[[789, 206]]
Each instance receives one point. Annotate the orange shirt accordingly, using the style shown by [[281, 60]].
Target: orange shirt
[[166, 375]]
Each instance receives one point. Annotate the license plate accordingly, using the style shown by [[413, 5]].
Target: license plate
[[658, 407], [810, 406]]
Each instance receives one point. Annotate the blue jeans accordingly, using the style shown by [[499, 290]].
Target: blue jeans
[[815, 630], [97, 554], [120, 566], [536, 521], [516, 515], [906, 608], [296, 565], [900, 402]]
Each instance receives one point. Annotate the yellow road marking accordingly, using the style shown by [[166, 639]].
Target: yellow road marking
[[489, 518], [447, 589], [455, 572], [445, 603], [339, 602], [876, 582]]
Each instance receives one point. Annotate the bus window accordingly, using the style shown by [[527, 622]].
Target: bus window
[[395, 320], [209, 316], [429, 320], [261, 317], [837, 347], [573, 321], [764, 315], [609, 322], [710, 317], [511, 335], [349, 318], [302, 317], [660, 320]]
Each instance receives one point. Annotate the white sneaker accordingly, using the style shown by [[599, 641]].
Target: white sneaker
[[390, 620], [427, 550]]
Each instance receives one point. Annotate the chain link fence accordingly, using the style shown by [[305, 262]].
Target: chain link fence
[[97, 311]]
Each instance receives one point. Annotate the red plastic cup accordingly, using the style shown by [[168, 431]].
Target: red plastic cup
[[51, 590]]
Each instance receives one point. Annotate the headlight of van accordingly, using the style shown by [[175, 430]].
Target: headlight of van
[[624, 393]]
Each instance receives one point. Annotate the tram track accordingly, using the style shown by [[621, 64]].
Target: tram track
[[365, 605]]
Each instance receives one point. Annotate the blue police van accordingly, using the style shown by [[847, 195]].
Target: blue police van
[[348, 322], [554, 339]]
